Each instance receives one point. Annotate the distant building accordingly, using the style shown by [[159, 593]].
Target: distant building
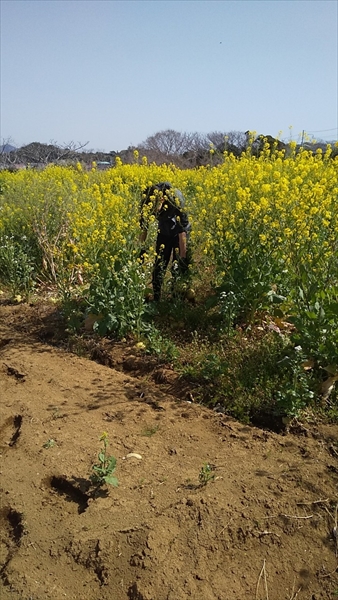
[[102, 165]]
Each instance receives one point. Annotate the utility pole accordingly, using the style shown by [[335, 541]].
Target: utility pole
[[303, 132]]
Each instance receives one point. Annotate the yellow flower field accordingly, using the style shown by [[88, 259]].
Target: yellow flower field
[[285, 208], [264, 230]]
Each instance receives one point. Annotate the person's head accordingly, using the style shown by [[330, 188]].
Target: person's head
[[155, 195], [163, 187], [163, 193]]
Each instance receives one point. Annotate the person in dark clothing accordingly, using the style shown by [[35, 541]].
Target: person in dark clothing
[[167, 205]]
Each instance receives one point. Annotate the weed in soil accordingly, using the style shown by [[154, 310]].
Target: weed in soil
[[206, 474], [104, 469]]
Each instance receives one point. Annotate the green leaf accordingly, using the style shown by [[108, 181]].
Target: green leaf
[[311, 315], [332, 309], [111, 463], [276, 298], [211, 302], [277, 312], [111, 480]]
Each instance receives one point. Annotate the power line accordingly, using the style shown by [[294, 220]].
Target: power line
[[321, 130], [307, 132], [298, 137]]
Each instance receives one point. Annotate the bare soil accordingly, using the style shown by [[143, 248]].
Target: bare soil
[[262, 528]]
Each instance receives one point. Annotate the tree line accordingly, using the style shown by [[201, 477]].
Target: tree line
[[183, 149]]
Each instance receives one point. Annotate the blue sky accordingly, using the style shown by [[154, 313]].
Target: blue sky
[[112, 73]]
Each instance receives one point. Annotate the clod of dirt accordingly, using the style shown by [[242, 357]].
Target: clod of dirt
[[132, 363], [134, 594], [14, 372], [89, 554], [163, 376], [4, 342], [102, 356]]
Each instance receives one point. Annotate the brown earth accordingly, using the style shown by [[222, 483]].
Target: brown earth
[[263, 528]]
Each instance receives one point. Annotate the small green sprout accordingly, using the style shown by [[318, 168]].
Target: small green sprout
[[49, 444], [206, 474], [103, 471], [149, 431]]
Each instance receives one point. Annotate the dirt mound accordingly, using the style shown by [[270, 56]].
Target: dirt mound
[[263, 526]]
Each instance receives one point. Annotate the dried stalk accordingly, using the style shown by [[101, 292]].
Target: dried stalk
[[263, 572]]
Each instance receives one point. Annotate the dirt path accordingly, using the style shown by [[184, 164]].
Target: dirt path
[[263, 528]]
